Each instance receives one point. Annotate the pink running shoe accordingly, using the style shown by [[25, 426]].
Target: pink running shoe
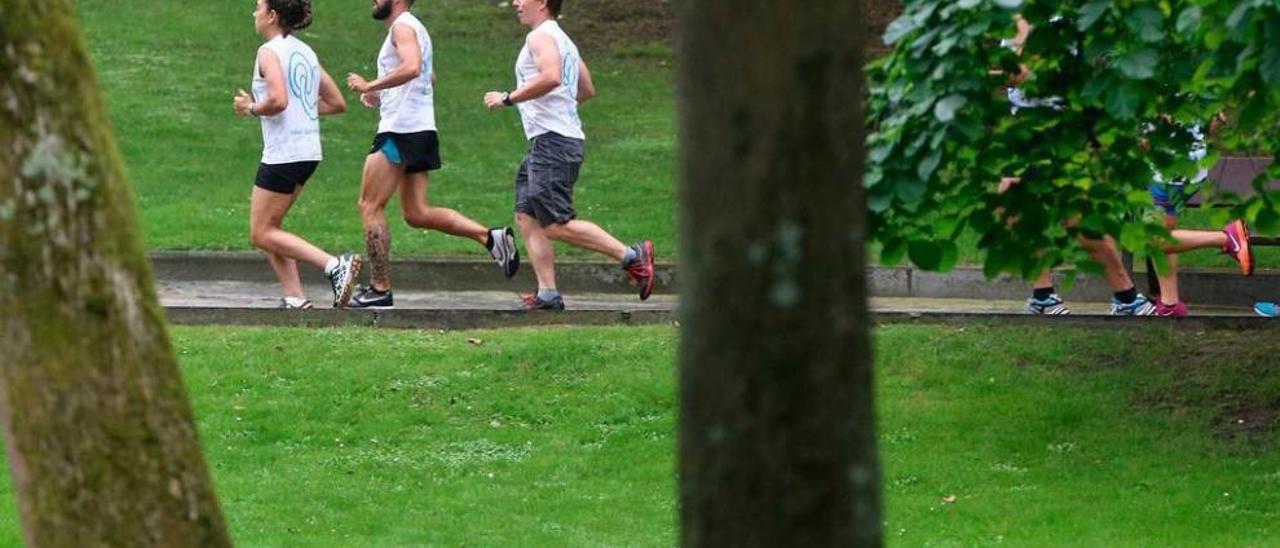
[[1177, 310]]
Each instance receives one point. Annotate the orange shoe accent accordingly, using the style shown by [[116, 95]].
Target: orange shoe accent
[[1238, 234]]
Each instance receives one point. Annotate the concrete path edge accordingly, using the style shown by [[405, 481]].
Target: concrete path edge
[[1209, 287]]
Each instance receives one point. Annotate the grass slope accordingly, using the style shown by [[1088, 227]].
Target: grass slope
[[169, 70]]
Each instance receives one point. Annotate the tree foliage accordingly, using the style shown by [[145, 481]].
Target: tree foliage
[[1131, 76]]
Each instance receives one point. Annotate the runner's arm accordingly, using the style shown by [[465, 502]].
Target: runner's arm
[[546, 56], [1016, 44], [406, 43], [586, 88], [1217, 122], [331, 99], [276, 100]]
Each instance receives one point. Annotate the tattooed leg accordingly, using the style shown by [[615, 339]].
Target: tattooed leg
[[377, 241], [379, 182]]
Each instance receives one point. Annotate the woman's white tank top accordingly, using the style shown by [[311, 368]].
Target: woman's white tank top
[[294, 134]]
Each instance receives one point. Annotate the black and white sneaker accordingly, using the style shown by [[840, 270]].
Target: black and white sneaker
[[502, 244], [343, 279], [370, 298]]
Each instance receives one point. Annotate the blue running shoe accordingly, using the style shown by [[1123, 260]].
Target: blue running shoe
[[1141, 306], [1267, 308], [1052, 306]]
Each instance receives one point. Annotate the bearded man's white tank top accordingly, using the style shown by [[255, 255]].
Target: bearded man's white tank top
[[409, 107]]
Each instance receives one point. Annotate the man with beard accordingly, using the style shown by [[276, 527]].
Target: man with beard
[[405, 149]]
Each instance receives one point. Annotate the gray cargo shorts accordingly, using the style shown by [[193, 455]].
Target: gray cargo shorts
[[544, 184]]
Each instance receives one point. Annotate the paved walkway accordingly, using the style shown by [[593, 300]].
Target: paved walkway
[[1199, 287], [446, 293], [243, 302], [260, 295]]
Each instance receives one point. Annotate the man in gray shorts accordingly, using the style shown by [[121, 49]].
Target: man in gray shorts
[[544, 184], [551, 81]]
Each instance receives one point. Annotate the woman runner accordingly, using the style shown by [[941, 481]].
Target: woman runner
[[290, 93]]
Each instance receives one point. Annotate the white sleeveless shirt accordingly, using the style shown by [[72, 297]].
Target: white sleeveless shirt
[[294, 134], [555, 112], [409, 107]]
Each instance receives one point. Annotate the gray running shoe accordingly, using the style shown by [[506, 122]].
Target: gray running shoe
[[641, 269], [502, 245], [533, 302]]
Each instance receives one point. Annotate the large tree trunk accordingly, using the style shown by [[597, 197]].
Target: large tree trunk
[[99, 433], [776, 433]]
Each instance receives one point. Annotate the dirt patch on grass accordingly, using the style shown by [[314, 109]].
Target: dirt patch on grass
[[610, 24], [621, 23], [1234, 376], [1247, 422]]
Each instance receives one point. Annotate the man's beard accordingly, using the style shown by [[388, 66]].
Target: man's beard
[[382, 10]]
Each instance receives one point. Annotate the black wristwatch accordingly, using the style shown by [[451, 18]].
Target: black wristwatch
[[506, 98]]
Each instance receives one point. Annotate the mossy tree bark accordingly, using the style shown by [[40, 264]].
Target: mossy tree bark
[[100, 437], [776, 435]]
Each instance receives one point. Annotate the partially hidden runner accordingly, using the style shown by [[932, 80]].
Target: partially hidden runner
[[1171, 196], [1044, 299]]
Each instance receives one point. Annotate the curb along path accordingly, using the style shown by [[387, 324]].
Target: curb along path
[[441, 293]]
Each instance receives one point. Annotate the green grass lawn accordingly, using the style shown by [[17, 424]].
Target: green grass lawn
[[169, 70], [564, 437]]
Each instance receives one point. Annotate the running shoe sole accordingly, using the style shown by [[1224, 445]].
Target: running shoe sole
[[646, 287], [508, 249], [349, 283], [1244, 252]]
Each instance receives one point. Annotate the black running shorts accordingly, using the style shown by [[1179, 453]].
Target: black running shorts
[[416, 152], [284, 178], [544, 184]]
